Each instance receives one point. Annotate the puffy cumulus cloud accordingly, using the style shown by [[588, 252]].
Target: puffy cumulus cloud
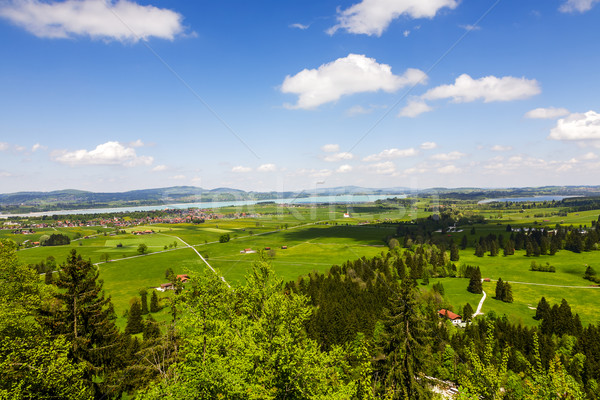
[[415, 107], [372, 17], [577, 6], [109, 153], [355, 73], [389, 154], [37, 147], [178, 177], [589, 156], [344, 168], [449, 169], [159, 168], [4, 146], [490, 88], [123, 20], [577, 127], [546, 113], [339, 157], [331, 148], [498, 147], [241, 169], [267, 168], [453, 155], [428, 145]]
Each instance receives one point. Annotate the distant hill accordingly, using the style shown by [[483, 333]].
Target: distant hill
[[72, 199]]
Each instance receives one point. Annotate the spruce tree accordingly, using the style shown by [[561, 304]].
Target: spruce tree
[[154, 307], [134, 319], [144, 299], [542, 310], [508, 296], [454, 254], [86, 320], [475, 285], [464, 242], [405, 347], [500, 290], [467, 312]]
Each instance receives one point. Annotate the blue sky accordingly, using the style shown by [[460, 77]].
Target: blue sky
[[108, 95]]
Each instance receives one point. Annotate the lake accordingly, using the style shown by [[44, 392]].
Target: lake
[[524, 199], [341, 199]]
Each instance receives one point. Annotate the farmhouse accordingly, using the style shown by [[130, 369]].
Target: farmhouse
[[165, 286], [455, 318], [183, 278]]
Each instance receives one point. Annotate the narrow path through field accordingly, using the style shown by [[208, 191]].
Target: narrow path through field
[[199, 255], [478, 312]]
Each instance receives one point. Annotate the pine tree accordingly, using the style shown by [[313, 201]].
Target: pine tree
[[475, 285], [454, 254], [542, 310], [86, 320], [463, 242], [134, 319], [467, 312], [508, 296], [405, 345], [479, 250], [144, 299], [500, 290], [154, 306]]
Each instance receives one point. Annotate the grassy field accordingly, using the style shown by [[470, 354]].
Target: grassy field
[[317, 238]]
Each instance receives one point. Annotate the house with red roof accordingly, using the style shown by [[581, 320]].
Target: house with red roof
[[455, 318]]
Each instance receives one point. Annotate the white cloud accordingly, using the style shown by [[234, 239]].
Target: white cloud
[[577, 5], [414, 108], [331, 148], [159, 168], [453, 155], [498, 147], [428, 145], [470, 27], [390, 154], [577, 126], [122, 20], [383, 168], [449, 169], [241, 169], [372, 17], [37, 147], [178, 177], [344, 168], [109, 153], [137, 143], [546, 113], [339, 157], [4, 146], [267, 168], [406, 33], [357, 110], [489, 89], [589, 156], [315, 173], [299, 26], [4, 174], [20, 148], [355, 73]]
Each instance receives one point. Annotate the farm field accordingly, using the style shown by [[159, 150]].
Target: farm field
[[315, 239]]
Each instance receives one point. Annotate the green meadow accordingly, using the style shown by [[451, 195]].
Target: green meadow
[[315, 238]]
